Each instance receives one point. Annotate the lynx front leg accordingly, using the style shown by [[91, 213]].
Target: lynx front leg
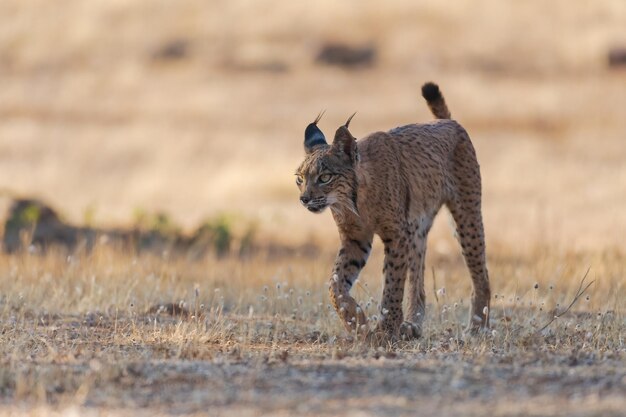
[[395, 269], [350, 260]]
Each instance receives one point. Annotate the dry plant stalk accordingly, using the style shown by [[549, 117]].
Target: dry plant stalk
[[579, 293]]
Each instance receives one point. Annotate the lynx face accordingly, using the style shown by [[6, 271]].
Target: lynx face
[[327, 175], [326, 178]]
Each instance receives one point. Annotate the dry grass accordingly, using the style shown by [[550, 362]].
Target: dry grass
[[95, 123]]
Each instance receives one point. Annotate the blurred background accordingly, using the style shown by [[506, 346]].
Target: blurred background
[[197, 108]]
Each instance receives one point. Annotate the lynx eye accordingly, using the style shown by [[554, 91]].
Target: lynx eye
[[299, 179], [325, 178]]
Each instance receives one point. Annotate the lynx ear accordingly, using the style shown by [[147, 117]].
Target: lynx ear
[[345, 142], [313, 136]]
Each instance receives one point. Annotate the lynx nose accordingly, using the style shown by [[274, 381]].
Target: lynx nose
[[305, 199]]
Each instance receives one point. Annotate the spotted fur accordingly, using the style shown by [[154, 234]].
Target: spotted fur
[[392, 184]]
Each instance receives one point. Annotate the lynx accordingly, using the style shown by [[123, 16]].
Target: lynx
[[392, 184]]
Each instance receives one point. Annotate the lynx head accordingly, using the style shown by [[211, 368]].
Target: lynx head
[[327, 176]]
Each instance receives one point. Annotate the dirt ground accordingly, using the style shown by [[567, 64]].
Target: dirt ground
[[419, 384]]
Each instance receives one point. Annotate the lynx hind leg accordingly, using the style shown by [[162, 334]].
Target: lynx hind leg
[[466, 212], [471, 237], [416, 297]]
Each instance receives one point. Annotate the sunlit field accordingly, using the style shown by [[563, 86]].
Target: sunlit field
[[177, 118]]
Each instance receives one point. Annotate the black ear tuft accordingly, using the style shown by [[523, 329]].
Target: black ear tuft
[[430, 91], [349, 120], [313, 136]]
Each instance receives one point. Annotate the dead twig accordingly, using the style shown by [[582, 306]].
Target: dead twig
[[435, 284], [361, 286], [579, 293]]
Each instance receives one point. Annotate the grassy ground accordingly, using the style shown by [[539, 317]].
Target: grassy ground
[[84, 333], [97, 120]]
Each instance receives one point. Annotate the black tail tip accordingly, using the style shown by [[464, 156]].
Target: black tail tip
[[430, 91]]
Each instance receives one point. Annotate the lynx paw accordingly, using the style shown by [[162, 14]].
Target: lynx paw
[[410, 331]]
